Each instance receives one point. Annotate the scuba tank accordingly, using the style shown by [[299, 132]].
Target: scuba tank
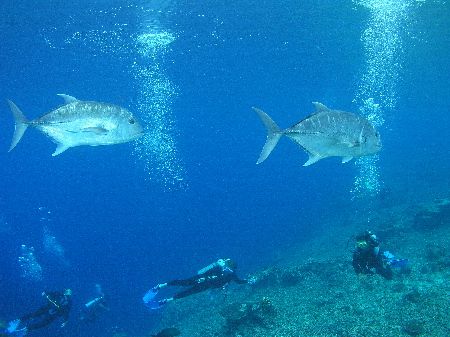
[[218, 263], [100, 296], [94, 301]]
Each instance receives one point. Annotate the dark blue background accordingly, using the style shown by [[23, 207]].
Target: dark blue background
[[126, 232]]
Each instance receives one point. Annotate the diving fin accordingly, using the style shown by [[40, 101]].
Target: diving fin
[[11, 330], [150, 295], [153, 305], [20, 333], [12, 326]]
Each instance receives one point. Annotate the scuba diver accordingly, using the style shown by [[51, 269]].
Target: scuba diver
[[94, 307], [216, 275], [58, 305], [369, 259]]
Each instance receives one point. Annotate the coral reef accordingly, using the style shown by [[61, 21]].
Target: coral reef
[[241, 317], [433, 214], [313, 291], [414, 327]]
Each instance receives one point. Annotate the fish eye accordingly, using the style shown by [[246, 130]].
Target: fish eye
[[131, 121]]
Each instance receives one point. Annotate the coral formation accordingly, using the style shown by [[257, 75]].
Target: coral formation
[[433, 214], [245, 316], [313, 291], [414, 327]]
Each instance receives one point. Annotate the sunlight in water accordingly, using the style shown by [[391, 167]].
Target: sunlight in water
[[377, 91], [157, 149]]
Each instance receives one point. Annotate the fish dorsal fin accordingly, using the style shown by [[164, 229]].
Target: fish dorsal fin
[[320, 107], [68, 99]]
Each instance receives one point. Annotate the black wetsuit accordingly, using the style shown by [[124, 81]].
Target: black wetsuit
[[58, 306], [217, 277], [368, 261]]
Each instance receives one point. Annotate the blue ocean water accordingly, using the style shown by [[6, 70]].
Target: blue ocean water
[[128, 216]]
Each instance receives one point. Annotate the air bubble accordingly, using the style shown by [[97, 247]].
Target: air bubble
[[377, 91], [157, 149], [30, 269], [144, 49]]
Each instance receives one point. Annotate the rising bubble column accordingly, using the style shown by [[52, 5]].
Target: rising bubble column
[[376, 94], [157, 149], [30, 269]]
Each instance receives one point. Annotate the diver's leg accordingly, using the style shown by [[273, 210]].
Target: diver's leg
[[39, 312], [184, 283], [177, 283], [187, 292], [46, 320], [193, 290]]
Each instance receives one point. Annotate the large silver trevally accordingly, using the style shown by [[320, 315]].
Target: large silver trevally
[[325, 133], [80, 123]]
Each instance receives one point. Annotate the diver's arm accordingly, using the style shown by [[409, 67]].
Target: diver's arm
[[238, 280]]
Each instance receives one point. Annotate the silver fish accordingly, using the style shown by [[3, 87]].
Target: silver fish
[[80, 123], [325, 133]]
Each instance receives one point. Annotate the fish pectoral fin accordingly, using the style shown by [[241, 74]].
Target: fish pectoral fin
[[351, 144], [346, 159], [60, 148], [96, 129], [313, 158]]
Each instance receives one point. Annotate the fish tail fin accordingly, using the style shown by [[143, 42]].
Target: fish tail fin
[[274, 134], [21, 124]]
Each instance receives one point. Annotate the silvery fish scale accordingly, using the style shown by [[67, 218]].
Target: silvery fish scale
[[333, 133], [80, 123], [86, 123]]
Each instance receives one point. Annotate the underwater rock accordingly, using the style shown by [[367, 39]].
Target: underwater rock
[[168, 332], [414, 327], [326, 271], [437, 260], [290, 277], [249, 314], [433, 214], [266, 306], [435, 252], [398, 287], [267, 278], [414, 296], [120, 334]]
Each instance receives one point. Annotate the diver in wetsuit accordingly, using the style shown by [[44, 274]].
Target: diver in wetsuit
[[368, 258], [93, 308], [216, 275], [58, 305]]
